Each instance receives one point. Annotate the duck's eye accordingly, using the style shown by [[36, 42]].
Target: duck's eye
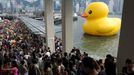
[[90, 11]]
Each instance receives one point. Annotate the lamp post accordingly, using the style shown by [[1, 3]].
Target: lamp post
[[11, 6]]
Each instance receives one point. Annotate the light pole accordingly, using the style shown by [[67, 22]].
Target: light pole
[[34, 5], [11, 6]]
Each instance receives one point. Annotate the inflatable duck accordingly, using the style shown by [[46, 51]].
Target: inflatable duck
[[97, 21]]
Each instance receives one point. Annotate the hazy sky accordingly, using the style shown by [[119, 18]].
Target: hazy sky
[[30, 0]]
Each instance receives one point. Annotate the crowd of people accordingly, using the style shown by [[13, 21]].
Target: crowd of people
[[22, 53]]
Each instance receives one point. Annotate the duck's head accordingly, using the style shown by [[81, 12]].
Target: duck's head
[[96, 10]]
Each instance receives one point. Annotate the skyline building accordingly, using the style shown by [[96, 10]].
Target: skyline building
[[78, 5]]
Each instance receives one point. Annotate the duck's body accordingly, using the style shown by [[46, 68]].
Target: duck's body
[[102, 27], [97, 22]]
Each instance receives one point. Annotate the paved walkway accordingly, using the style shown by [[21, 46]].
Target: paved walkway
[[38, 27]]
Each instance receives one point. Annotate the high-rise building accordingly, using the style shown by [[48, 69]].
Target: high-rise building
[[118, 6], [42, 4], [1, 8], [57, 5]]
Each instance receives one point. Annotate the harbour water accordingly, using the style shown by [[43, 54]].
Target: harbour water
[[97, 47]]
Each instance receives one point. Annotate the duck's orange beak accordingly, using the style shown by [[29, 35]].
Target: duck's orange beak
[[84, 15]]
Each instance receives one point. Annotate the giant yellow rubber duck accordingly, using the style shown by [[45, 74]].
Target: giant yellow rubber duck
[[97, 21]]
